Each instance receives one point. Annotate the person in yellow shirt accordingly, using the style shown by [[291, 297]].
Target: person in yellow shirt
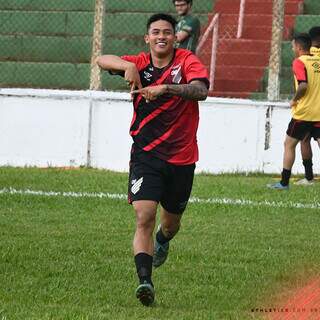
[[306, 150], [305, 105]]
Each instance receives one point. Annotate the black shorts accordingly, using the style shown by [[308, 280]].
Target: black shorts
[[300, 129], [316, 130], [154, 179]]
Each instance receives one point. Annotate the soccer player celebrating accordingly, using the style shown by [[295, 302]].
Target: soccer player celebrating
[[166, 85], [305, 105], [188, 27]]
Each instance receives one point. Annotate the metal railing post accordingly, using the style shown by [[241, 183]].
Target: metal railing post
[[95, 76], [214, 49], [275, 54], [214, 27], [241, 18]]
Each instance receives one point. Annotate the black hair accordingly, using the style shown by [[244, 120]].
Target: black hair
[[162, 16], [187, 1], [304, 40], [314, 33]]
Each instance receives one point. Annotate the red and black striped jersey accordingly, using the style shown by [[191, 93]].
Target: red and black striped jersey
[[167, 126]]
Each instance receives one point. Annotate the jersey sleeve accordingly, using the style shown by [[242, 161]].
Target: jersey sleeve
[[195, 70], [299, 70], [139, 60]]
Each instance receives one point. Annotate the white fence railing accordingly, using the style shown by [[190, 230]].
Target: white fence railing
[[241, 18]]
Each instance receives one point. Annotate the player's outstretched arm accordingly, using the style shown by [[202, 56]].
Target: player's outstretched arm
[[195, 90], [115, 63]]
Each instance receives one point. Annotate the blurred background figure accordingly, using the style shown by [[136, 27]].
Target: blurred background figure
[[188, 27]]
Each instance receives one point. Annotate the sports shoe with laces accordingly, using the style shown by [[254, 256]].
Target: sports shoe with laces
[[304, 182], [277, 186], [145, 293], [160, 252]]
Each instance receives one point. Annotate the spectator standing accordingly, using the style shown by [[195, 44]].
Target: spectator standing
[[188, 27]]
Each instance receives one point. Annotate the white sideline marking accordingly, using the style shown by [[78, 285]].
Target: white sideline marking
[[225, 201], [69, 194]]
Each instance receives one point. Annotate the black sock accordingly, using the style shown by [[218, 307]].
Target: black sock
[[161, 238], [307, 163], [143, 263], [285, 177]]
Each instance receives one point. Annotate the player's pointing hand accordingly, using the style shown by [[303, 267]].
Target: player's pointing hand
[[132, 77], [151, 93]]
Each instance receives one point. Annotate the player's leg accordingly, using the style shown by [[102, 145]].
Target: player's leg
[[167, 229], [174, 201], [290, 144], [144, 193], [297, 131], [145, 211], [170, 223], [316, 132], [306, 154]]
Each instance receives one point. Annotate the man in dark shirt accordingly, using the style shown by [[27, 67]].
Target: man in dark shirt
[[188, 27], [166, 85]]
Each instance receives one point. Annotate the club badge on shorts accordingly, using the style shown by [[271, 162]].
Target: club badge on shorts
[[136, 185]]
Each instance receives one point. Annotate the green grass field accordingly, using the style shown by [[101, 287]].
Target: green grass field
[[67, 257]]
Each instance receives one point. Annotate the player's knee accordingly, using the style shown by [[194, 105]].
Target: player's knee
[[170, 230], [288, 145], [145, 214], [145, 220]]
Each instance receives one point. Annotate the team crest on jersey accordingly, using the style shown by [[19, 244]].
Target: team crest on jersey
[[147, 75], [136, 185], [176, 74]]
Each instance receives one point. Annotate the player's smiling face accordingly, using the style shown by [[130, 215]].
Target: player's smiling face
[[161, 38]]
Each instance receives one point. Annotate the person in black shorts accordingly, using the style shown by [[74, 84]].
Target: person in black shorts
[[166, 85], [306, 150], [305, 105]]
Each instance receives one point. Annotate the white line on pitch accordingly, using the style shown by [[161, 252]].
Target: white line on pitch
[[224, 201]]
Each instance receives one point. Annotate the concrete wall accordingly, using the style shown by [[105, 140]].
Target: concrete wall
[[67, 128]]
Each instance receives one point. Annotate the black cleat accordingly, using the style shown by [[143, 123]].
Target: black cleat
[[145, 293]]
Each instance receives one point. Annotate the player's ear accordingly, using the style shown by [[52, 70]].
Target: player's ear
[[146, 38]]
